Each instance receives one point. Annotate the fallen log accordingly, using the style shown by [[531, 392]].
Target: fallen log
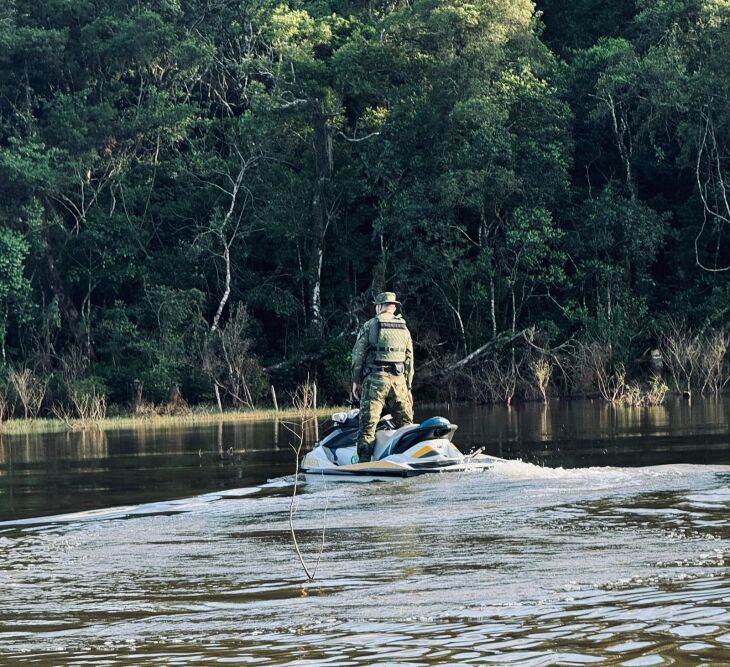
[[296, 361], [502, 340]]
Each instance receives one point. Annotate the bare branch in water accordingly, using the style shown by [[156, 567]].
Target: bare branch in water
[[303, 400]]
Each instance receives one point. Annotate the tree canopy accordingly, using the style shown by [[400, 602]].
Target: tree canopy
[[170, 172]]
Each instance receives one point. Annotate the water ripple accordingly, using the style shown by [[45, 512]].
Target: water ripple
[[529, 566]]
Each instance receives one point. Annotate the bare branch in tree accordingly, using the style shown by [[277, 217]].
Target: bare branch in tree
[[713, 180], [358, 139]]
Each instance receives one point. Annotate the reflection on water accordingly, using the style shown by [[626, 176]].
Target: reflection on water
[[608, 544], [43, 473], [526, 566], [48, 473]]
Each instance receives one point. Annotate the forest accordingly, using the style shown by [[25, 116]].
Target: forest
[[199, 199]]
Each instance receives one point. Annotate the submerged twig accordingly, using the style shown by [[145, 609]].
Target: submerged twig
[[303, 402]]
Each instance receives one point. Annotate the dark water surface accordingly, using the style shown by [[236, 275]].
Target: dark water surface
[[608, 543]]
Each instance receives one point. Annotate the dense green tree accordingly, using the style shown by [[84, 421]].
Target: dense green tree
[[174, 177]]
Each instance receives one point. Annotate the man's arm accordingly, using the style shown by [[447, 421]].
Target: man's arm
[[410, 366], [359, 352]]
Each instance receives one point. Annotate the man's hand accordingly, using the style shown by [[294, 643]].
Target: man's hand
[[356, 391]]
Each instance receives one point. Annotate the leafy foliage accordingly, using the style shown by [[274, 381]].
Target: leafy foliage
[[499, 164]]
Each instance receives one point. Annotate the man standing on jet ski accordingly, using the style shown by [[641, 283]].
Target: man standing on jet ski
[[382, 372]]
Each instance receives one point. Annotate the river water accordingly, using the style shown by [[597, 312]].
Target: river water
[[605, 540]]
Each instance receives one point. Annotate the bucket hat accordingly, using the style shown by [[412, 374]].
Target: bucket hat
[[386, 297]]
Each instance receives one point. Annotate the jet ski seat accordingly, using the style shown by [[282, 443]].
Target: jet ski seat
[[432, 429], [383, 438]]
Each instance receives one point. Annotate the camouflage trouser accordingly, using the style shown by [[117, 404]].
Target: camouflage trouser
[[378, 390]]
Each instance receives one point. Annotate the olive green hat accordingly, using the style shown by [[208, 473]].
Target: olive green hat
[[386, 297]]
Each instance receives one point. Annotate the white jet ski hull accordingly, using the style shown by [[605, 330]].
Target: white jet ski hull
[[431, 452], [372, 471]]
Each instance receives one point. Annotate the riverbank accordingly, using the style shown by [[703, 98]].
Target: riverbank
[[198, 415]]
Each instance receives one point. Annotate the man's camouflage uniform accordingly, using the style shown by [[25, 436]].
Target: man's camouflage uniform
[[385, 374]]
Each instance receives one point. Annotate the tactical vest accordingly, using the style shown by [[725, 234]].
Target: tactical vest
[[388, 340]]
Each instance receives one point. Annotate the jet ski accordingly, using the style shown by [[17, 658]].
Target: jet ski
[[415, 449]]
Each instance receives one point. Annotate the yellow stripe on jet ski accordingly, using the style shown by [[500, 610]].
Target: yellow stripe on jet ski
[[372, 465], [423, 451]]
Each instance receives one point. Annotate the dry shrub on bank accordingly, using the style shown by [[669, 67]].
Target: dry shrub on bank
[[87, 410], [656, 392], [682, 356], [179, 408], [593, 371], [229, 362], [636, 396], [30, 388], [4, 408], [696, 361], [542, 371], [577, 367], [715, 366], [90, 407], [492, 381], [515, 367], [504, 380], [632, 396], [84, 405], [146, 410], [176, 404]]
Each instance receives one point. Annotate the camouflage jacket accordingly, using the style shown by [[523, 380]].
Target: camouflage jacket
[[361, 350]]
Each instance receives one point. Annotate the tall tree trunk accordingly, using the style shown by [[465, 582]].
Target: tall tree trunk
[[67, 307], [514, 307], [492, 308], [321, 213], [226, 242], [226, 289], [624, 141]]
